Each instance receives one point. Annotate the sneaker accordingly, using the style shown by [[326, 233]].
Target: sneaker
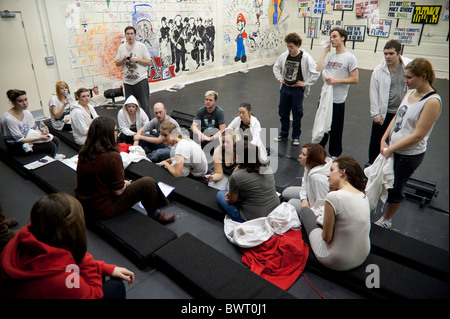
[[383, 222], [296, 142], [280, 138]]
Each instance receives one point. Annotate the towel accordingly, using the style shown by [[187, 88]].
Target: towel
[[324, 113], [380, 177]]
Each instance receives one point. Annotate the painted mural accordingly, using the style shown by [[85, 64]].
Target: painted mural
[[180, 35]]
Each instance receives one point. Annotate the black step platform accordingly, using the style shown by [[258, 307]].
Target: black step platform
[[207, 273], [188, 191]]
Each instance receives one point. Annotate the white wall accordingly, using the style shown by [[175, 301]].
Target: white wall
[[55, 28]]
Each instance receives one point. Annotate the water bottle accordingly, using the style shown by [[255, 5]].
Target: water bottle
[[43, 128]]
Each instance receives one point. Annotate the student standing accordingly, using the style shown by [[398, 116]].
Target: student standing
[[387, 88], [343, 68], [134, 59], [296, 71]]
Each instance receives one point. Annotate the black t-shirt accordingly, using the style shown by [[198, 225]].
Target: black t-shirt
[[210, 120], [293, 69]]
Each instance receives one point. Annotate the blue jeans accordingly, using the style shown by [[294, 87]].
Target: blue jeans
[[291, 98], [159, 152], [231, 210]]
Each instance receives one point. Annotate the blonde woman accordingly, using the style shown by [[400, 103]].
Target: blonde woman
[[59, 106]]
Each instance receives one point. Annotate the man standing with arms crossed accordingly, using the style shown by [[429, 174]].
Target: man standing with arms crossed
[[343, 68], [134, 59], [387, 88]]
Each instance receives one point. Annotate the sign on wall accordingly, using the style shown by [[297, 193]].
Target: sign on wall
[[322, 6], [407, 36], [401, 9], [379, 28], [355, 32], [343, 5], [304, 8], [327, 25], [426, 14], [313, 27], [367, 9]]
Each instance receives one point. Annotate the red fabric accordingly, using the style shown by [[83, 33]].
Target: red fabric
[[123, 147], [32, 269], [280, 260]]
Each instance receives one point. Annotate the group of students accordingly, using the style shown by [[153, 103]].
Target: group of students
[[331, 202]]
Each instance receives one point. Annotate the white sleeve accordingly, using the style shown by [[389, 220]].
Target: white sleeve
[[313, 74], [122, 122], [374, 93]]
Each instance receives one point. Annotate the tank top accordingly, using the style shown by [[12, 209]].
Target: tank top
[[406, 121]]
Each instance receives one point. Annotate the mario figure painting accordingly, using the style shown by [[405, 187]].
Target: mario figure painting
[[240, 53]]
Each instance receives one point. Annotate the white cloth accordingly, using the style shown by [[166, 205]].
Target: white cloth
[[256, 231], [134, 155], [324, 113], [37, 133], [380, 177], [380, 83], [308, 66]]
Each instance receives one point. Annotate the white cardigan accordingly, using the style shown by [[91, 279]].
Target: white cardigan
[[308, 66], [380, 83], [81, 122], [255, 131]]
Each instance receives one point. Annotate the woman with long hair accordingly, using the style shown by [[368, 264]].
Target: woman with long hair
[[407, 136], [101, 185], [20, 131], [224, 161], [48, 258], [342, 243]]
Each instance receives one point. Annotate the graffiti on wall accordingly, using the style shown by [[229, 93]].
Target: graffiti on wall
[[180, 35], [252, 30]]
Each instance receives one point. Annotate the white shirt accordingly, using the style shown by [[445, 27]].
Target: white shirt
[[133, 72], [195, 161], [340, 66]]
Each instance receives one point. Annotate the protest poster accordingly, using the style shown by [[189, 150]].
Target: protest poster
[[367, 9], [379, 28], [355, 32], [407, 36], [304, 8], [400, 9], [343, 5], [427, 14], [327, 25]]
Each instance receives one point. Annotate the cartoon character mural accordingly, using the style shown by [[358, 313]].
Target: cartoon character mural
[[240, 53]]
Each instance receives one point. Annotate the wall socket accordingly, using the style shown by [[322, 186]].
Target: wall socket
[[49, 60]]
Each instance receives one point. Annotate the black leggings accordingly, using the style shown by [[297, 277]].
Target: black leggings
[[49, 148]]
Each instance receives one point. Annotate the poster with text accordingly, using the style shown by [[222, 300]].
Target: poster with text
[[327, 25], [426, 14], [407, 36], [367, 9], [343, 5], [323, 6], [313, 27], [380, 28], [401, 9], [304, 8], [355, 32]]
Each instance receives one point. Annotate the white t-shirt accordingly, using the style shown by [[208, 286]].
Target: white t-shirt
[[13, 130], [58, 124], [133, 72], [195, 161], [350, 245], [340, 66]]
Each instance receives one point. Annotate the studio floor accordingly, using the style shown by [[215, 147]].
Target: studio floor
[[428, 223]]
